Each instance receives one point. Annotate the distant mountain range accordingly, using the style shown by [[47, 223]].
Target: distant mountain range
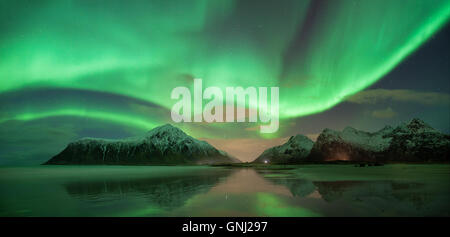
[[409, 142], [162, 145], [414, 141]]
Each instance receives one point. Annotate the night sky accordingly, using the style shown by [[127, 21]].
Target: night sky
[[72, 69]]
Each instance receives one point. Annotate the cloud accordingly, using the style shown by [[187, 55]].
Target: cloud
[[313, 136], [378, 95], [245, 149], [34, 142], [384, 113], [24, 143]]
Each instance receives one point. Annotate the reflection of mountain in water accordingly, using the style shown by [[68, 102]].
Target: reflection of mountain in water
[[167, 193], [413, 193], [235, 190], [411, 198], [298, 187]]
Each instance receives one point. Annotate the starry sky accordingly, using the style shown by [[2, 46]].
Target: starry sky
[[71, 69]]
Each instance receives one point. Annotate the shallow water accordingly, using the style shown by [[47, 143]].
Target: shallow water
[[312, 190]]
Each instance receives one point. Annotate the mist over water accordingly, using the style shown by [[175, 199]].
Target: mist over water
[[312, 190]]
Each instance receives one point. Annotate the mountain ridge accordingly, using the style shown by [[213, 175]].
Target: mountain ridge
[[165, 144], [413, 141]]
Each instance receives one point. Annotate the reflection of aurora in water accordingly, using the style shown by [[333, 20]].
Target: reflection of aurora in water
[[338, 190], [317, 52]]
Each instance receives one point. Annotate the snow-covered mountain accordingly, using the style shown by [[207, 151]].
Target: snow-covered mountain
[[162, 145], [350, 144], [417, 141], [414, 141], [297, 148]]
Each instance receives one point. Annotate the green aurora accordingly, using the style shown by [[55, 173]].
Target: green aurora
[[142, 50]]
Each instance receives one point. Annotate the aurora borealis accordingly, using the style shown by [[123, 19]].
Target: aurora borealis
[[113, 64]]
